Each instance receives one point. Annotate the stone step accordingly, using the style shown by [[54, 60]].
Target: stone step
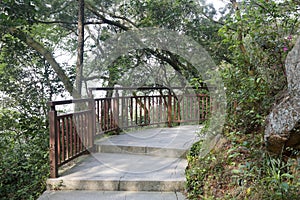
[[140, 150], [163, 142], [123, 172], [110, 195]]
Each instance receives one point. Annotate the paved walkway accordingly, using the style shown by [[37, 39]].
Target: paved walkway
[[145, 164]]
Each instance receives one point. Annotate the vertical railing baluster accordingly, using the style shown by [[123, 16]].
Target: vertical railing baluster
[[63, 141], [136, 111], [117, 111], [149, 110], [152, 104], [87, 130], [160, 119], [58, 141], [106, 119], [71, 136], [84, 131], [76, 129], [121, 112], [76, 125], [131, 111], [126, 112], [194, 107], [81, 133], [169, 109], [67, 138], [145, 110], [141, 110], [77, 121]]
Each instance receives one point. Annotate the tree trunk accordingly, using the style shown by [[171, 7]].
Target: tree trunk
[[80, 48]]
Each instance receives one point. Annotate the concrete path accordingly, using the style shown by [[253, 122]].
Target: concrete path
[[145, 164]]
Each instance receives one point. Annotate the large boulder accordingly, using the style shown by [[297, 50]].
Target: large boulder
[[282, 130]]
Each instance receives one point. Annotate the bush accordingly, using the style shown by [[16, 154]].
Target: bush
[[24, 156], [241, 169]]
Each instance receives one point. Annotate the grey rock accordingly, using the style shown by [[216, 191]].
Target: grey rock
[[283, 123]]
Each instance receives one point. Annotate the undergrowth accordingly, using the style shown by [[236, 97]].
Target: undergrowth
[[241, 169]]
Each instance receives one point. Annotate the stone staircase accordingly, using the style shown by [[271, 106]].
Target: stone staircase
[[145, 164]]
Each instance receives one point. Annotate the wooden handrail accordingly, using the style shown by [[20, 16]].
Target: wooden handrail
[[70, 101]]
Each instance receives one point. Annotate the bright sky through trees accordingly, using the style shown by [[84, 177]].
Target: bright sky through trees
[[217, 3]]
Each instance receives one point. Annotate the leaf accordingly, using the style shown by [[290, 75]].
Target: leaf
[[286, 175], [236, 171]]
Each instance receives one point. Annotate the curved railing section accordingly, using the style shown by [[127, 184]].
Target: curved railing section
[[72, 132]]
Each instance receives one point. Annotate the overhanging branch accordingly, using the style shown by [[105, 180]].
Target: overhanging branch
[[47, 55]]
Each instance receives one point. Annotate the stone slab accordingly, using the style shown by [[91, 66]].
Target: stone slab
[[164, 142], [106, 171], [110, 195]]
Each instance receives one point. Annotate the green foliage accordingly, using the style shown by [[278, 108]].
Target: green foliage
[[23, 154], [259, 35], [26, 84], [240, 169], [252, 96]]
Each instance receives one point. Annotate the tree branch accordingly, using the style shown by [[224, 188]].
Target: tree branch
[[117, 17], [90, 78], [47, 55], [105, 20], [124, 18], [66, 22], [54, 22]]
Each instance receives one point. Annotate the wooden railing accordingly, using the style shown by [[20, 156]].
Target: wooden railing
[[163, 106], [73, 134]]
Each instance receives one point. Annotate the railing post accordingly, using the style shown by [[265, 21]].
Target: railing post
[[92, 122], [53, 154], [169, 109]]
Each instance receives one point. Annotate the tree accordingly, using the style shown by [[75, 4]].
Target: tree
[[186, 17], [26, 84]]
